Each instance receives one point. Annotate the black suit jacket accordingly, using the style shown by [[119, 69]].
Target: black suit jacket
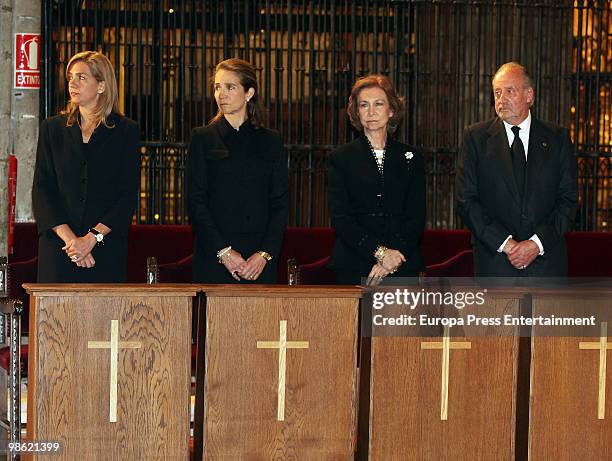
[[82, 185], [238, 195], [490, 204], [367, 212]]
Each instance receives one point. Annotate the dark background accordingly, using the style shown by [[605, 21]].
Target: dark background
[[441, 56]]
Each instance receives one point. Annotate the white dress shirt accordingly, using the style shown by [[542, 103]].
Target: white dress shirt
[[525, 127]]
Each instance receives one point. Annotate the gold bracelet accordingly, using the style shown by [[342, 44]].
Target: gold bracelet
[[265, 255], [379, 254]]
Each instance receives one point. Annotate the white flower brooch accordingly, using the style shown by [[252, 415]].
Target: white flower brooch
[[408, 155]]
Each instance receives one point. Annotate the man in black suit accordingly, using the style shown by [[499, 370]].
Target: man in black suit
[[516, 183]]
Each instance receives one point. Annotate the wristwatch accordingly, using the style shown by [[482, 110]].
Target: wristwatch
[[98, 235]]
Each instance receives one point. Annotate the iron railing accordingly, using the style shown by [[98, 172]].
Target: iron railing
[[440, 54]]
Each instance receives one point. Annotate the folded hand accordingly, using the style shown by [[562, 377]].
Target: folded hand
[[376, 275], [79, 247], [392, 260], [254, 267], [86, 261], [523, 254], [233, 262]]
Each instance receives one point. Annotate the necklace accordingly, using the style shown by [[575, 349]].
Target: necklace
[[379, 158], [86, 126]]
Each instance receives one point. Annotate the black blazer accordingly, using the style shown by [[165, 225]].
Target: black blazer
[[367, 212], [238, 195], [490, 204], [81, 185]]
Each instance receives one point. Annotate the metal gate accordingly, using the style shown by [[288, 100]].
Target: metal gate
[[440, 54]]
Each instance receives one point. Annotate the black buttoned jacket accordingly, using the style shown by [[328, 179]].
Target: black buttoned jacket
[[81, 185], [493, 208], [238, 195], [368, 210]]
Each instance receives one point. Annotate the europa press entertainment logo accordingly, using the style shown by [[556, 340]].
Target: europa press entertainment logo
[[27, 61]]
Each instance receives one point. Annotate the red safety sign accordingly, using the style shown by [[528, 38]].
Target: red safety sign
[[27, 61]]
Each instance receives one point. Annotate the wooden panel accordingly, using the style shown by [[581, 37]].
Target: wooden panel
[[69, 386], [564, 389], [241, 394], [282, 291], [102, 289], [406, 398]]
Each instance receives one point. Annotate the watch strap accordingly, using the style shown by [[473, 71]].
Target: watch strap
[[98, 235]]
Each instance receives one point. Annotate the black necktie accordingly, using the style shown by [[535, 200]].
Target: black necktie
[[519, 162]]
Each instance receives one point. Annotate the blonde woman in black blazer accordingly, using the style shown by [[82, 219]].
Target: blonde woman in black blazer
[[86, 180], [376, 191]]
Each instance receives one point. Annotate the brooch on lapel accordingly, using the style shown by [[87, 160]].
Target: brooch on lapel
[[409, 156]]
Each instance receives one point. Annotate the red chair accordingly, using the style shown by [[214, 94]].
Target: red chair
[[316, 273], [460, 265], [176, 272]]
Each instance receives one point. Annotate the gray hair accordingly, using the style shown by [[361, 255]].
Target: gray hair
[[515, 65]]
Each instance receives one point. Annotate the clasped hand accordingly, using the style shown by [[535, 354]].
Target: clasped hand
[[79, 250], [392, 260], [521, 254], [239, 269]]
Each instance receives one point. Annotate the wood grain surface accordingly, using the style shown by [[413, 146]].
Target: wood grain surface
[[564, 388], [69, 383], [241, 393], [282, 291], [103, 289], [405, 398]]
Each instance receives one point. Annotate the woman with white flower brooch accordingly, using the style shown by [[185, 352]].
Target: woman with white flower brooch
[[376, 191]]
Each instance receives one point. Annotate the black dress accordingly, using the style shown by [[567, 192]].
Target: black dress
[[81, 185], [369, 209], [238, 196]]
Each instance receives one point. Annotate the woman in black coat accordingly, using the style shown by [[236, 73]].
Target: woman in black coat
[[86, 180], [376, 191], [238, 185]]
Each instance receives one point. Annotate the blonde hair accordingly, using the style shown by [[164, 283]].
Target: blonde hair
[[102, 70]]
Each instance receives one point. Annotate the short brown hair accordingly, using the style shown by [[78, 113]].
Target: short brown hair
[[375, 81], [248, 79], [102, 70]]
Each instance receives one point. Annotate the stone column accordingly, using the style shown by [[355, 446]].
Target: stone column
[[19, 113], [6, 26]]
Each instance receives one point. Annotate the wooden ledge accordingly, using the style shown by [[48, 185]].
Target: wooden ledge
[[97, 290], [283, 291]]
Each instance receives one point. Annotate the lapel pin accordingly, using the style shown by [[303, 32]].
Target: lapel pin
[[544, 144], [408, 155]]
